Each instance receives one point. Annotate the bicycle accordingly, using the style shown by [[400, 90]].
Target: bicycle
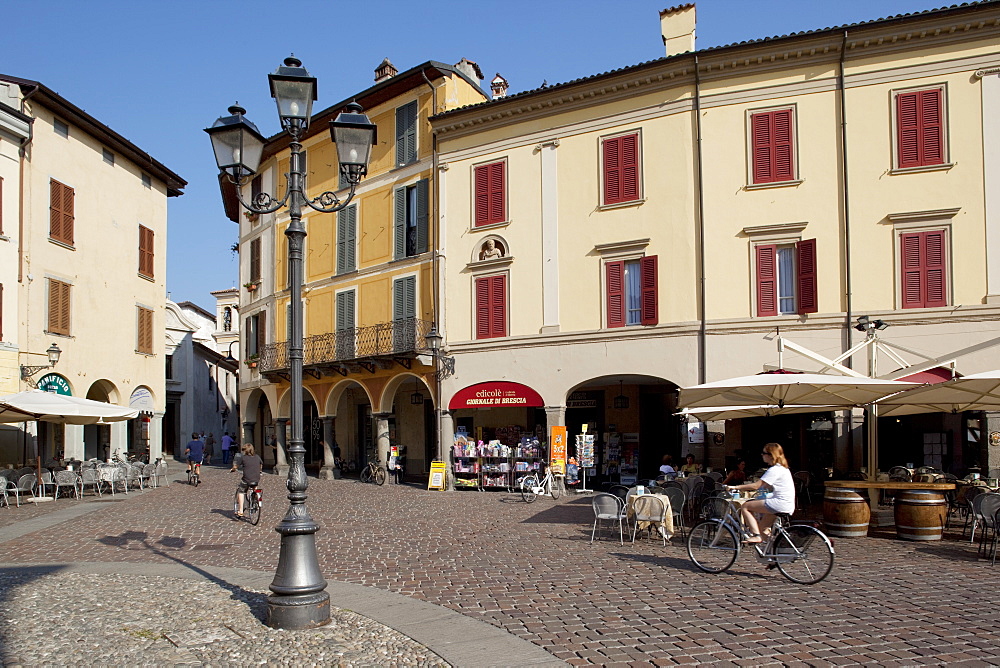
[[194, 474], [253, 499], [802, 553], [531, 487], [373, 472]]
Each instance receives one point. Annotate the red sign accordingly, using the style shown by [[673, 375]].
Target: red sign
[[498, 393]]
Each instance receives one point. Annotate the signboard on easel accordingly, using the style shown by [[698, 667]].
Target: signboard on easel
[[436, 479], [557, 453]]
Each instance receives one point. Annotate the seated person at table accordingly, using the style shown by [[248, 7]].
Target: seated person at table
[[738, 475], [666, 467], [690, 467], [777, 480]]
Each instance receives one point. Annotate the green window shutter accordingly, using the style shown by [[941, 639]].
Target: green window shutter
[[404, 298], [346, 236], [406, 134], [422, 215], [352, 239], [345, 310], [399, 239]]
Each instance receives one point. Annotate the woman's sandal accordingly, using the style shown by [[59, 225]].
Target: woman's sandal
[[752, 538]]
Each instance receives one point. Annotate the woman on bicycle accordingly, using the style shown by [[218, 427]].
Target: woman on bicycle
[[777, 480], [251, 466]]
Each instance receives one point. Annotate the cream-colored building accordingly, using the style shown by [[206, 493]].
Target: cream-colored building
[[15, 129], [91, 269], [608, 240]]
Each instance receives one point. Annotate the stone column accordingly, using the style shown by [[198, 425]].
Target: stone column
[[280, 460], [119, 437], [156, 436], [328, 471], [73, 442], [555, 416], [248, 429], [445, 441], [381, 436]]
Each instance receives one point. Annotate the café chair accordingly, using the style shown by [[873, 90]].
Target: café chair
[[609, 507], [24, 485], [90, 476], [63, 479], [989, 504], [621, 491], [648, 508], [676, 497], [45, 482], [974, 497]]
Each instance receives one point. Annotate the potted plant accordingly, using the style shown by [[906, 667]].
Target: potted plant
[[251, 285], [252, 361]]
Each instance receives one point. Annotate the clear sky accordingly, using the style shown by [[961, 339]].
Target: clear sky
[[158, 72]]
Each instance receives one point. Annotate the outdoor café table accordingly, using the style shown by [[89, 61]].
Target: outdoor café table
[[919, 510], [666, 526]]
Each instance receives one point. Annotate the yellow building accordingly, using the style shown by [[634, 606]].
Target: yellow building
[[368, 283], [608, 240]]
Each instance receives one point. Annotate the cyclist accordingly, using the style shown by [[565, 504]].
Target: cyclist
[[195, 452], [778, 481], [251, 464]]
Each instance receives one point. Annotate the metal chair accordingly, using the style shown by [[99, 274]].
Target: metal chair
[[621, 491], [147, 475], [802, 481], [975, 500], [89, 476], [133, 476], [24, 485], [676, 497], [899, 473], [68, 479], [45, 482], [648, 508], [989, 505], [609, 507], [715, 475], [110, 475]]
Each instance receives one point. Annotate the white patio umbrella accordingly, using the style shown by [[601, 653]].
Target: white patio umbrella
[[788, 389], [737, 412], [975, 392], [60, 408]]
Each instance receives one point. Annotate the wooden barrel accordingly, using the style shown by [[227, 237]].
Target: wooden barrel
[[920, 514], [846, 513]]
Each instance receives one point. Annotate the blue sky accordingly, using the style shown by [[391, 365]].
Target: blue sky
[[159, 72]]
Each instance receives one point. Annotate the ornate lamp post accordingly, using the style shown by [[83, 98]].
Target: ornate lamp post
[[27, 372], [298, 598]]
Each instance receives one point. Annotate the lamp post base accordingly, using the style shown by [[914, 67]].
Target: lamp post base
[[298, 612]]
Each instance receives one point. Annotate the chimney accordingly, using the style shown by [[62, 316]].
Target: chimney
[[470, 69], [385, 71], [677, 28], [499, 87]]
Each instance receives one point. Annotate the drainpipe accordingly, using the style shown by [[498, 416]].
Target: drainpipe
[[841, 86], [22, 152], [700, 221]]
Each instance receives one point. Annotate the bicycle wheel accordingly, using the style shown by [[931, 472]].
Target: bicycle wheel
[[366, 474], [712, 546], [236, 501], [253, 511], [380, 476], [556, 489], [803, 554], [528, 483]]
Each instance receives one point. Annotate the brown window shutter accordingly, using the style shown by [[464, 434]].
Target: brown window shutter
[[261, 331], [58, 307], [61, 212], [146, 251], [145, 335], [255, 260], [68, 196]]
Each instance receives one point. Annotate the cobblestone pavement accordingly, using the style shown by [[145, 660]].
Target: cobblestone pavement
[[530, 569]]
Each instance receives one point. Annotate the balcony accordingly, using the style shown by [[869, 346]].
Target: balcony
[[374, 347]]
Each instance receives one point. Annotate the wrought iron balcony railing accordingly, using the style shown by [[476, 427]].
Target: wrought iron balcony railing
[[361, 345]]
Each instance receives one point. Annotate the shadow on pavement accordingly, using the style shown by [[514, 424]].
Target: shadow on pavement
[[10, 580]]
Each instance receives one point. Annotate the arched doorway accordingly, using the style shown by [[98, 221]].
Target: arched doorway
[[353, 429], [408, 400], [97, 437]]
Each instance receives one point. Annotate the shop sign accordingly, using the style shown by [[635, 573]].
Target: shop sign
[[696, 432], [499, 393], [582, 400], [995, 438], [54, 383], [557, 453], [436, 478], [141, 400]]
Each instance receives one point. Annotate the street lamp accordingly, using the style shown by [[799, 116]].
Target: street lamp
[[434, 339], [298, 599], [27, 372]]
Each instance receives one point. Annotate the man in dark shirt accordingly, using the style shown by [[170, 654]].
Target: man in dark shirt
[[251, 465], [195, 451]]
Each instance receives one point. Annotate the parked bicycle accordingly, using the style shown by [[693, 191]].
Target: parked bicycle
[[802, 553], [531, 487], [254, 498], [373, 472]]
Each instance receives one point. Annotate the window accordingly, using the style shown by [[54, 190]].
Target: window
[[61, 212], [144, 340], [772, 146], [169, 366], [631, 291], [620, 157], [411, 220], [256, 331], [490, 193], [404, 313], [923, 267], [109, 157], [920, 128], [491, 306], [786, 278], [147, 182], [406, 134], [59, 307], [60, 128], [227, 319], [255, 188], [255, 260], [345, 324], [145, 252], [347, 232]]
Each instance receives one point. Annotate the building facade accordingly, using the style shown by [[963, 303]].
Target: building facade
[[91, 270], [608, 240], [368, 286]]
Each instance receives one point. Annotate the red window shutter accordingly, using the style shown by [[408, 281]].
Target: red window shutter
[[772, 146], [920, 128], [912, 267], [934, 269], [490, 184], [482, 194], [907, 128], [621, 169], [498, 306], [648, 281], [806, 262], [767, 280], [483, 330], [615, 279], [931, 128]]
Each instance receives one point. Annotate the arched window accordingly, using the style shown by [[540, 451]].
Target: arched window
[[227, 319]]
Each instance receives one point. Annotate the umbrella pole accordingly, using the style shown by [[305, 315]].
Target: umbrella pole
[[872, 426]]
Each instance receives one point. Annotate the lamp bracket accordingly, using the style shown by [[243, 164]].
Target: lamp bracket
[[329, 202], [262, 202], [28, 371], [447, 366]]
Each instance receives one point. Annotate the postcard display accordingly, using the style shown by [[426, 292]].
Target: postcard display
[[621, 461], [494, 464], [585, 457]]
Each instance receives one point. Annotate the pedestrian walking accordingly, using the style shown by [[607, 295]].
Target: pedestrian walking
[[209, 448], [226, 445]]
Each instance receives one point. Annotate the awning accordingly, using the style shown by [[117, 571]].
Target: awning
[[498, 393], [60, 408]]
